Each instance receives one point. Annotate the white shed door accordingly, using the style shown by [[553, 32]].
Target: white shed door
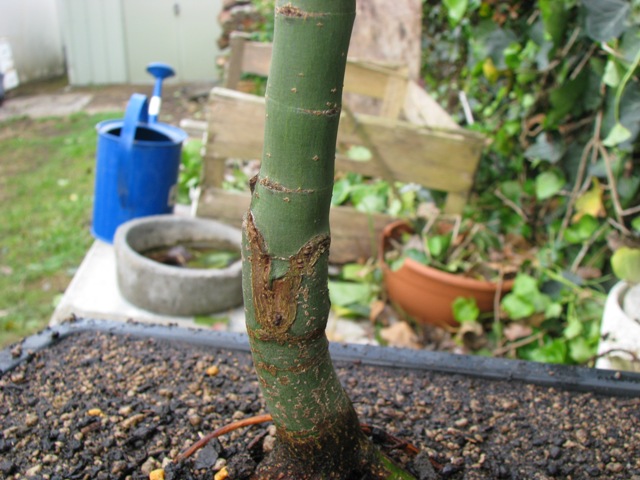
[[182, 33]]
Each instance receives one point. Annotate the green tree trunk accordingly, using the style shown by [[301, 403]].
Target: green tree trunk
[[286, 250]]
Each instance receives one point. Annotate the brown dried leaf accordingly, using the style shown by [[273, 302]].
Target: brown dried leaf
[[376, 309], [514, 331], [589, 273], [400, 335]]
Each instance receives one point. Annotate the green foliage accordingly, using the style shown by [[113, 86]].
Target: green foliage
[[626, 264], [465, 310], [212, 321], [458, 244], [456, 10], [563, 318], [553, 84], [190, 170], [354, 289], [375, 196]]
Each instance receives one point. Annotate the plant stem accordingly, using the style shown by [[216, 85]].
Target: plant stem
[[286, 250]]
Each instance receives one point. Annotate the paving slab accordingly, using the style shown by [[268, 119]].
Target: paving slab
[[38, 106], [94, 293]]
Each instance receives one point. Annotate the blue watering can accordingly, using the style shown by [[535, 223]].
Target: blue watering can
[[137, 164]]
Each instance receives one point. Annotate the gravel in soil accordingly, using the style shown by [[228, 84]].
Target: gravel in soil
[[104, 406]]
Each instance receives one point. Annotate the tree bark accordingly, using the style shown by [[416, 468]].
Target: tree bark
[[286, 250]]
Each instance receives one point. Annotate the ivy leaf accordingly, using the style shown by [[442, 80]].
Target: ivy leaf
[[489, 70], [612, 74], [417, 255], [630, 44], [552, 352], [370, 203], [456, 10], [545, 148], [605, 19], [553, 310], [554, 16], [465, 309], [369, 198], [625, 263], [517, 307], [582, 230], [359, 153], [627, 189], [490, 41], [512, 190], [590, 203], [548, 184], [344, 294], [341, 190], [573, 329], [617, 135], [567, 98], [354, 272], [525, 285], [629, 115], [580, 350], [438, 245]]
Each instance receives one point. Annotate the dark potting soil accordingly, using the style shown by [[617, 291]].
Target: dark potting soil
[[104, 406]]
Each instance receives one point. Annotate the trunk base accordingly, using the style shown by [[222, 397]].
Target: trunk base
[[283, 463], [339, 451]]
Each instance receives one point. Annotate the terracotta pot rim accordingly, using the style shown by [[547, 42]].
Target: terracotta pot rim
[[451, 278], [432, 272]]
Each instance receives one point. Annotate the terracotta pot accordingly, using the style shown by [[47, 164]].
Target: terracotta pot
[[426, 293]]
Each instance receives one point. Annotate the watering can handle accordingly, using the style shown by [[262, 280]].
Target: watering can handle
[[136, 113]]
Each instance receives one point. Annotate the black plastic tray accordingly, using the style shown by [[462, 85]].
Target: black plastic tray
[[598, 381]]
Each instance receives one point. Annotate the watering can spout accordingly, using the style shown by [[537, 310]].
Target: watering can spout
[[160, 71]]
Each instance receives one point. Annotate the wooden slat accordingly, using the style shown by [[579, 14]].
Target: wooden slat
[[213, 169], [395, 94], [234, 65], [365, 78], [384, 82], [236, 124], [228, 207], [436, 158], [257, 58], [353, 234], [420, 109]]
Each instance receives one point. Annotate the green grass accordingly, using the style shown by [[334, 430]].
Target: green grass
[[46, 188]]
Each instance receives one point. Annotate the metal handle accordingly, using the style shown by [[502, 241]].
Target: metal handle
[[176, 9]]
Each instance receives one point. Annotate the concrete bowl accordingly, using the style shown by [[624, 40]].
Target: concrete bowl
[[170, 290]]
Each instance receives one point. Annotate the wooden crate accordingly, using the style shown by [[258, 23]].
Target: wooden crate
[[441, 157]]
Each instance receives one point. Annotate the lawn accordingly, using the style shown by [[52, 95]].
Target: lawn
[[46, 189]]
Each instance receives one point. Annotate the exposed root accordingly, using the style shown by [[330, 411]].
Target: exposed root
[[246, 422], [394, 443]]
